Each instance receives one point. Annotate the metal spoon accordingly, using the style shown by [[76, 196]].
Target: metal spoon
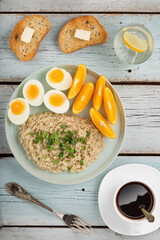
[[147, 214]]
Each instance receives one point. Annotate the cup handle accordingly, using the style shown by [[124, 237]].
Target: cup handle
[[137, 227]]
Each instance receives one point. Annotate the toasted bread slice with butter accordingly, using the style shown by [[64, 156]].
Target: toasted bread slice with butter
[[24, 50], [69, 43]]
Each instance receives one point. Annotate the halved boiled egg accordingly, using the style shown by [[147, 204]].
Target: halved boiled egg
[[59, 79], [56, 101], [33, 92], [18, 111]]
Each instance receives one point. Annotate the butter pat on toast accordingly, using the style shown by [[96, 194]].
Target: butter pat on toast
[[27, 50], [69, 43]]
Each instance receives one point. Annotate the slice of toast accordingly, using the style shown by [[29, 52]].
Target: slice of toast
[[26, 51], [68, 43]]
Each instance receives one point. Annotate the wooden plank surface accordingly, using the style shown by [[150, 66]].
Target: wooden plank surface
[[80, 199], [141, 104], [12, 69], [80, 6], [58, 233]]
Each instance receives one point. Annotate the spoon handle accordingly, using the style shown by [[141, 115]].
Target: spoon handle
[[148, 215], [16, 190]]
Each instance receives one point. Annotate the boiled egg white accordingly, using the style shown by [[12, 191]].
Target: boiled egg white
[[59, 79], [18, 111], [33, 92], [56, 101]]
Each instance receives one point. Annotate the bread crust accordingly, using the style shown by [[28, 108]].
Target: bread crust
[[78, 22], [16, 44]]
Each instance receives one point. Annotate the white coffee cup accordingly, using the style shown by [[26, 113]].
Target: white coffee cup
[[137, 223]]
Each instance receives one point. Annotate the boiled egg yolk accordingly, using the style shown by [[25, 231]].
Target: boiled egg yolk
[[32, 92], [56, 100], [56, 76], [17, 107]]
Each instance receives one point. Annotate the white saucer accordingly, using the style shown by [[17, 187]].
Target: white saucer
[[110, 183]]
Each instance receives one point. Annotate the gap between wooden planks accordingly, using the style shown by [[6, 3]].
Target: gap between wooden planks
[[52, 233], [80, 6]]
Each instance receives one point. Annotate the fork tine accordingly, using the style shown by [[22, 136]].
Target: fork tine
[[80, 229], [86, 224], [76, 229], [83, 226]]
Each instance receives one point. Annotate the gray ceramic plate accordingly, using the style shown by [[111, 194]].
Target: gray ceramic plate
[[112, 146]]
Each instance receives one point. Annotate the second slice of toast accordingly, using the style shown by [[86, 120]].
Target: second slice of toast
[[69, 43]]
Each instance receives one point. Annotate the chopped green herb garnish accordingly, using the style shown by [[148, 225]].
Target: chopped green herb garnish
[[36, 141], [56, 141], [39, 159], [87, 133], [69, 149], [61, 146], [63, 126], [83, 147], [69, 168], [44, 135], [39, 138], [60, 155], [64, 139], [56, 135], [51, 136], [31, 133], [67, 142], [68, 160], [81, 162], [49, 142], [50, 148], [71, 155], [73, 141], [74, 132], [81, 139], [70, 133], [56, 161]]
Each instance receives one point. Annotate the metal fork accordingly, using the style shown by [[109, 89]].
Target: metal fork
[[72, 221]]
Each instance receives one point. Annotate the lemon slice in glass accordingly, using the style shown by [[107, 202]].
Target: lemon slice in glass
[[135, 42]]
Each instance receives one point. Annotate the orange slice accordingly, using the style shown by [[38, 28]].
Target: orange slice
[[83, 98], [98, 92], [110, 106], [78, 81], [135, 42], [101, 123]]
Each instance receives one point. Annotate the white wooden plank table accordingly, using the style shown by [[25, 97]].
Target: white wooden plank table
[[138, 86]]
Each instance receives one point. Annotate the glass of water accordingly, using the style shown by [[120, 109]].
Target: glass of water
[[133, 44]]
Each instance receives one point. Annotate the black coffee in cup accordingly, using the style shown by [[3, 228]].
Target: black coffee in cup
[[131, 197]]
